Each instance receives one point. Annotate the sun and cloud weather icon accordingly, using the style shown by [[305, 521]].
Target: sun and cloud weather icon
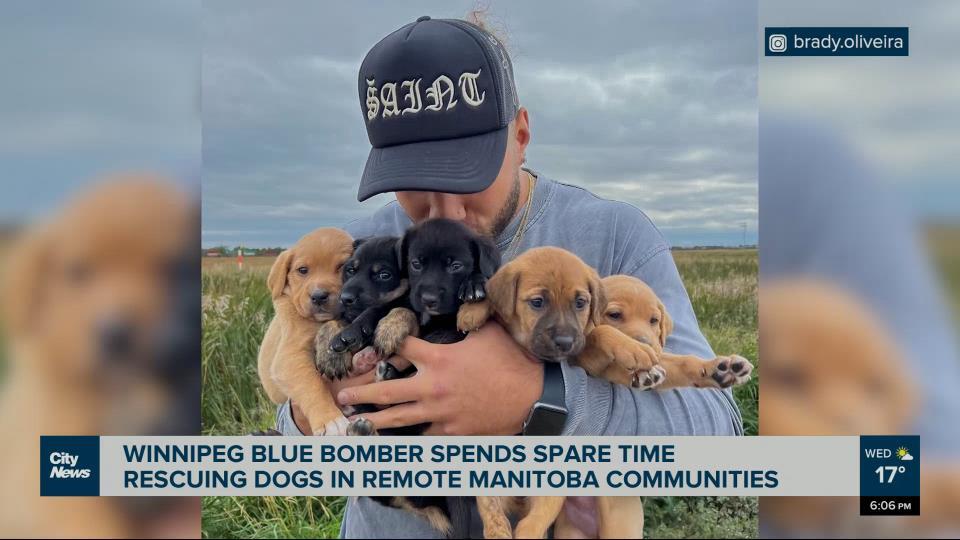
[[903, 454]]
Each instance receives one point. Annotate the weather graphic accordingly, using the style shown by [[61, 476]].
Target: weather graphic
[[903, 454]]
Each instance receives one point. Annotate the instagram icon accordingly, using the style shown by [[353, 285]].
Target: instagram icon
[[777, 43]]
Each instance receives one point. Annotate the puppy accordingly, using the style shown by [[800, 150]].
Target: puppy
[[304, 283], [446, 264], [634, 309], [831, 368], [373, 284], [101, 319], [553, 304]]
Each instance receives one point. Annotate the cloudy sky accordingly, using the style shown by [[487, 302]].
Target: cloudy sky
[[900, 114], [654, 103], [91, 88]]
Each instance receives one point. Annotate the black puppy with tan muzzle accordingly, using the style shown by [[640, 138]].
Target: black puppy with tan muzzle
[[446, 265], [373, 284]]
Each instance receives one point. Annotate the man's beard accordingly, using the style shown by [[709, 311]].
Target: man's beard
[[508, 210]]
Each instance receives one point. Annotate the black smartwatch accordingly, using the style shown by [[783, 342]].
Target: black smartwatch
[[548, 415]]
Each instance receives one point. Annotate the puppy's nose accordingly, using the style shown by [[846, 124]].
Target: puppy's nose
[[564, 342], [115, 336], [347, 298], [319, 297], [429, 300]]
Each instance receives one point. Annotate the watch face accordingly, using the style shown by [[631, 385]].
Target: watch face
[[545, 420]]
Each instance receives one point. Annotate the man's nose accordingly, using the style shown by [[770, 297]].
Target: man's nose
[[319, 297], [447, 205]]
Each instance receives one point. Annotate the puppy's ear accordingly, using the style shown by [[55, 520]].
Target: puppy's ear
[[598, 298], [277, 278], [502, 290], [22, 286], [666, 324], [486, 256]]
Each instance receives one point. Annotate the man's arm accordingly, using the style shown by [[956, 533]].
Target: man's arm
[[597, 407]]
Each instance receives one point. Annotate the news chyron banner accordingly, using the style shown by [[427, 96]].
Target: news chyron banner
[[882, 470]]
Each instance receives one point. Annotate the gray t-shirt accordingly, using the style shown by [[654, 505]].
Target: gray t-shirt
[[615, 238]]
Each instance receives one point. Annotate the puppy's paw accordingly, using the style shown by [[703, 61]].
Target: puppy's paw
[[361, 426], [387, 372], [727, 371], [473, 316], [336, 426], [332, 364], [364, 361], [393, 329], [648, 380], [634, 356], [473, 289], [352, 338]]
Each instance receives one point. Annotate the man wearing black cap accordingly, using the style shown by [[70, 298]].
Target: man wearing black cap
[[449, 139]]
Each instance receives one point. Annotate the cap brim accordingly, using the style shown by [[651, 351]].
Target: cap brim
[[464, 165]]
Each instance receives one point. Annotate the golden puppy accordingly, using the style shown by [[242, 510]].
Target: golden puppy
[[552, 303], [101, 312], [304, 283], [634, 309], [832, 369]]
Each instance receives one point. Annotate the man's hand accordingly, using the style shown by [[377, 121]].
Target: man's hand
[[483, 385]]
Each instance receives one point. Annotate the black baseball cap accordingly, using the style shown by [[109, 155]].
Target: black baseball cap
[[437, 97]]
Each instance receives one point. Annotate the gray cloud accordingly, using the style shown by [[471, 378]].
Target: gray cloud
[[91, 88], [652, 103]]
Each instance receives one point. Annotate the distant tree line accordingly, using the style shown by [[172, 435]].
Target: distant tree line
[[231, 251]]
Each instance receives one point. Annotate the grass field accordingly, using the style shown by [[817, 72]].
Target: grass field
[[236, 308]]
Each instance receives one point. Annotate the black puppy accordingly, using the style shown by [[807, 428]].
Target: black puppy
[[373, 284], [446, 264]]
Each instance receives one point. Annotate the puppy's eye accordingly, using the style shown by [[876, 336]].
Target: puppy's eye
[[384, 275], [654, 320], [455, 266], [615, 315], [303, 270], [416, 265], [536, 302], [350, 271], [580, 303]]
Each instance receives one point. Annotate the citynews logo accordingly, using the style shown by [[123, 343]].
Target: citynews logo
[[69, 466], [837, 41], [65, 466]]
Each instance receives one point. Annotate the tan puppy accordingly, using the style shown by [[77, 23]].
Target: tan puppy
[[90, 298], [552, 303], [832, 369], [634, 309], [305, 283]]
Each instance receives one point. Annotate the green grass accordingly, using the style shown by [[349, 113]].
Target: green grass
[[723, 288]]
